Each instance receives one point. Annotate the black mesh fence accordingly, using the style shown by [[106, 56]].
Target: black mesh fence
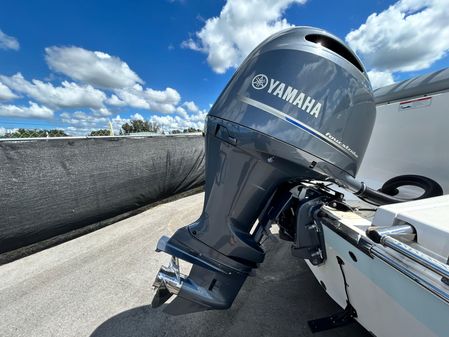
[[50, 187]]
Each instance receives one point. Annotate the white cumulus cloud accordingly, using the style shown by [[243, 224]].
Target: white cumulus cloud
[[102, 84], [82, 123], [182, 112], [32, 111], [102, 112], [191, 106], [167, 96], [181, 121], [380, 78], [6, 93], [92, 67], [137, 117], [241, 26], [410, 35], [164, 101], [69, 95], [8, 42]]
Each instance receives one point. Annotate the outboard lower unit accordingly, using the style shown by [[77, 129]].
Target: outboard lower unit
[[299, 109]]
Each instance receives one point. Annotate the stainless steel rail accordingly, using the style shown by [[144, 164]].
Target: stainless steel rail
[[382, 236], [417, 256], [399, 266]]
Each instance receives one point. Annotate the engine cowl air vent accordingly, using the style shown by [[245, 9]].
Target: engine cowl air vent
[[336, 47]]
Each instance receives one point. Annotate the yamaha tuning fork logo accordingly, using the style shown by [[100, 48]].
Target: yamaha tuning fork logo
[[259, 81], [299, 99], [287, 93]]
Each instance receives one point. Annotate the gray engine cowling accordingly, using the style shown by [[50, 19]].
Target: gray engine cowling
[[300, 107], [304, 87]]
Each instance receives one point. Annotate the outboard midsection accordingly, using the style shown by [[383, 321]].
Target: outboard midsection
[[244, 172]]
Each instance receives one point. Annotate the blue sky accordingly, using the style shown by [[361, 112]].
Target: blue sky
[[148, 46]]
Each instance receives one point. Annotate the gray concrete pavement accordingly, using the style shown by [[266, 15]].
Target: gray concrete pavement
[[100, 285]]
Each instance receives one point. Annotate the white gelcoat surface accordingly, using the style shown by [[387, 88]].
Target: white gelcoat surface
[[387, 302], [429, 217], [409, 141]]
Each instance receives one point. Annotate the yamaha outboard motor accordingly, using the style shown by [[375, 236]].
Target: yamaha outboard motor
[[299, 109]]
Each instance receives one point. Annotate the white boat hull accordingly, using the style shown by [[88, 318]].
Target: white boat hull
[[387, 302]]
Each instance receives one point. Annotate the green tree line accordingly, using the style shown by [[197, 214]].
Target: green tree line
[[134, 126], [31, 133]]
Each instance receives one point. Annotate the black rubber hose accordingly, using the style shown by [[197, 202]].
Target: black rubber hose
[[386, 194], [431, 188], [377, 198]]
